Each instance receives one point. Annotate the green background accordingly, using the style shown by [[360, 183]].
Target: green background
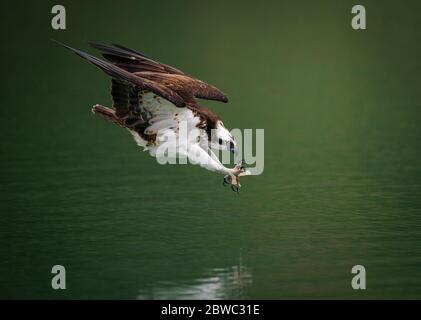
[[341, 111]]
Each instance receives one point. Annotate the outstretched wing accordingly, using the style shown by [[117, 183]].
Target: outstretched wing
[[129, 79], [132, 60], [137, 63]]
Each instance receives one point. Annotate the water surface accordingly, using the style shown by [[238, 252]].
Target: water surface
[[342, 182]]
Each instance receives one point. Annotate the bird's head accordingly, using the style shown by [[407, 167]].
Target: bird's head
[[222, 139]]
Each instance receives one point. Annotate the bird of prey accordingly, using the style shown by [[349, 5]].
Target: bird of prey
[[149, 98]]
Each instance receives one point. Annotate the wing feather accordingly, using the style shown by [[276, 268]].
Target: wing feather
[[138, 63], [121, 74], [132, 59]]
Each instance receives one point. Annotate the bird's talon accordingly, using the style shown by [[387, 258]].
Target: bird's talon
[[226, 181]]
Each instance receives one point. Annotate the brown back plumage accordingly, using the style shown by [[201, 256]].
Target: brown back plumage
[[132, 72], [140, 65]]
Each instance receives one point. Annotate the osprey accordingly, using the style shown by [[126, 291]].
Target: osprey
[[150, 98]]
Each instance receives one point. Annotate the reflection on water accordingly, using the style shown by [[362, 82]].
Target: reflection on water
[[218, 283]]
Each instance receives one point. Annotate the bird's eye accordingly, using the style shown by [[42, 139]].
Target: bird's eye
[[220, 141]]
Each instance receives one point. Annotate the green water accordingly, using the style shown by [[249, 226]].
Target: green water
[[341, 111]]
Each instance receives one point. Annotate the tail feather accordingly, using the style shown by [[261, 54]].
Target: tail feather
[[107, 113]]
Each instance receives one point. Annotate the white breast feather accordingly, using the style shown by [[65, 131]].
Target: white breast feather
[[166, 116]]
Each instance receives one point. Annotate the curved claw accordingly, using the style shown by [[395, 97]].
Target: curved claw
[[226, 181], [235, 188]]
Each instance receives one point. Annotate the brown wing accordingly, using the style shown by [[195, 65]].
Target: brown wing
[[137, 63], [128, 79], [188, 88], [125, 99], [132, 60]]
